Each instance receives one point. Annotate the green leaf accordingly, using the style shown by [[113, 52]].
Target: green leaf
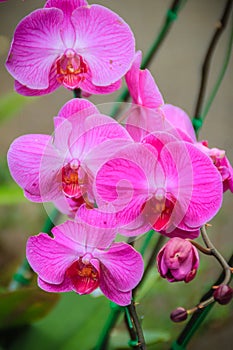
[[24, 306], [11, 194], [120, 338], [12, 103], [75, 323]]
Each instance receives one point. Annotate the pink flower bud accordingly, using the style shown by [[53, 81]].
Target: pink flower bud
[[179, 315], [178, 260], [223, 294]]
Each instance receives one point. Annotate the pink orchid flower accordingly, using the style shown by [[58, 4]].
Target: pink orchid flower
[[81, 258], [221, 162], [170, 185], [178, 260], [49, 168], [71, 44], [147, 96]]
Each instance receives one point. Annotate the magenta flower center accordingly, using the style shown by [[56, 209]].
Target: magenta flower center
[[158, 209], [70, 179], [71, 69], [83, 276]]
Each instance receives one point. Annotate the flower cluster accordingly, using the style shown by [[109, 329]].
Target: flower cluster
[[145, 172]]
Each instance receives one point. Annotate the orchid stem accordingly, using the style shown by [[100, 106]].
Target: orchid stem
[[77, 93], [217, 255], [138, 340], [220, 26], [202, 249]]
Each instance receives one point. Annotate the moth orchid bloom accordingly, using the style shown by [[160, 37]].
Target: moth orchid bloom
[[221, 162], [147, 96], [81, 258], [71, 44], [178, 260], [174, 188], [48, 168]]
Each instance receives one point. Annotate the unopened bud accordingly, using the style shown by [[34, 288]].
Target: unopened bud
[[179, 315], [223, 294]]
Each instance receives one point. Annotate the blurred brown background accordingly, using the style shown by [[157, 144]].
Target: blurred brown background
[[176, 69]]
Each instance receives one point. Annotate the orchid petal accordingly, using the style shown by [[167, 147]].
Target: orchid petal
[[105, 42], [87, 235], [78, 106], [121, 264], [50, 257], [53, 85], [36, 46], [24, 159], [179, 119], [150, 96], [132, 77], [195, 183], [64, 286]]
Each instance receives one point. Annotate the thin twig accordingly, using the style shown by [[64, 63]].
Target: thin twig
[[216, 254], [199, 316], [220, 26]]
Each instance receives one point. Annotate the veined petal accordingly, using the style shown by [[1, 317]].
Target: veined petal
[[118, 297], [141, 121], [24, 160], [87, 235], [177, 232], [64, 286], [124, 181], [89, 88], [78, 106], [138, 226], [197, 184], [206, 197], [132, 77], [105, 42], [99, 128], [53, 85], [67, 6], [121, 266], [50, 257], [36, 45], [179, 120], [149, 94]]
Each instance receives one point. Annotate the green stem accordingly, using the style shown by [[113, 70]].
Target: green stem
[[138, 342], [220, 77], [217, 255], [220, 26]]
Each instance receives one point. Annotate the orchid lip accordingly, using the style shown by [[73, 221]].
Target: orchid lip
[[83, 276], [70, 179], [71, 69], [158, 209]]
